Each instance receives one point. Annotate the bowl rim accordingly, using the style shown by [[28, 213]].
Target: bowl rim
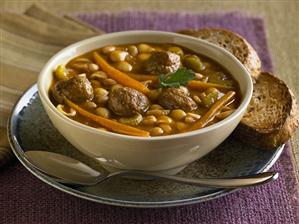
[[46, 101]]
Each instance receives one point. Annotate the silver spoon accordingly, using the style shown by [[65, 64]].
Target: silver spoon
[[71, 171]]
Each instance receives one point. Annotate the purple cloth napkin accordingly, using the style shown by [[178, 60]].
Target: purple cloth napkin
[[25, 199]]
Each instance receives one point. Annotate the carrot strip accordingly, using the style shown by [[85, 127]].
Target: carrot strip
[[194, 84], [119, 76], [215, 108], [109, 124], [142, 77], [225, 114]]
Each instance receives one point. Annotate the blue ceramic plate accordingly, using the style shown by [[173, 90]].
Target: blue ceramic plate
[[30, 129]]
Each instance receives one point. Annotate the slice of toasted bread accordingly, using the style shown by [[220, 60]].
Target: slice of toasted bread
[[232, 42], [272, 115]]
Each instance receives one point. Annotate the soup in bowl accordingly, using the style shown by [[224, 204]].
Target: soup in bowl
[[145, 100]]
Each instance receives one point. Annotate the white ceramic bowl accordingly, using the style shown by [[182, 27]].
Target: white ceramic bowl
[[168, 154]]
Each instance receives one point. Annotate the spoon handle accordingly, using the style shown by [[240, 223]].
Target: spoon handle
[[232, 182]]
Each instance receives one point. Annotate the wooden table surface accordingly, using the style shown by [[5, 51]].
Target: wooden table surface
[[281, 18]]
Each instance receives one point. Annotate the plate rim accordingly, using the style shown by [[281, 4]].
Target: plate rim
[[19, 153]]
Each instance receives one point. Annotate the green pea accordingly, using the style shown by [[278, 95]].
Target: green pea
[[193, 62], [207, 101], [210, 99]]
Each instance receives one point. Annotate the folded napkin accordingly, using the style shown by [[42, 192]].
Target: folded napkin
[[27, 42]]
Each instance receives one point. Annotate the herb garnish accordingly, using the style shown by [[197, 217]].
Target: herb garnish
[[181, 77]]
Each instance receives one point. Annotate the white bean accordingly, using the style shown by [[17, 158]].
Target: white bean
[[149, 120], [103, 112], [81, 66], [117, 55], [101, 95], [98, 75], [82, 60], [89, 105], [164, 120], [156, 106], [93, 67], [177, 114], [157, 112], [108, 49], [144, 48], [181, 126], [198, 76], [189, 119], [197, 99], [156, 131], [101, 99], [100, 92], [133, 50], [124, 66], [109, 82], [166, 128], [195, 116], [114, 87]]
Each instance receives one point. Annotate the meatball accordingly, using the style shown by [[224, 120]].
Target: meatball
[[125, 101], [177, 98], [162, 62], [78, 89]]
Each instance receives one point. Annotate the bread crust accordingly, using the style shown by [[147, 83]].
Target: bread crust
[[233, 42], [280, 122], [273, 114], [265, 135]]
